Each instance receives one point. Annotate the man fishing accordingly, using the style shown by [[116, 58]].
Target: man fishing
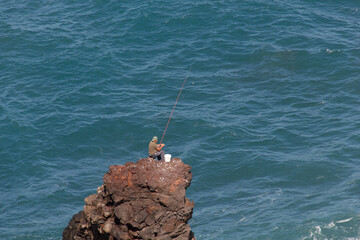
[[155, 149]]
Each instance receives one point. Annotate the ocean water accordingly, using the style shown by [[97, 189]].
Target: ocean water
[[269, 118]]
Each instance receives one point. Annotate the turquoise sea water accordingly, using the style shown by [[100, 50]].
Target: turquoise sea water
[[269, 118]]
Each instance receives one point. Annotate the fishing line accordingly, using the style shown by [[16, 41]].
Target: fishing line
[[174, 107]]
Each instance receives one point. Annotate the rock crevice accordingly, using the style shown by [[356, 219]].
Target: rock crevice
[[142, 200]]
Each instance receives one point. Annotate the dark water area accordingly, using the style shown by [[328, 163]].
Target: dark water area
[[269, 117]]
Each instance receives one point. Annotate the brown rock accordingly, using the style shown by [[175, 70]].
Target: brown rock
[[142, 200]]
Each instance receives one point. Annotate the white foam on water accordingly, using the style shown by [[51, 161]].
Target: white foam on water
[[318, 229], [345, 220], [330, 225], [243, 219], [329, 51], [315, 234]]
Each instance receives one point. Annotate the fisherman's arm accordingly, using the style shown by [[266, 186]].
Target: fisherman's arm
[[160, 146]]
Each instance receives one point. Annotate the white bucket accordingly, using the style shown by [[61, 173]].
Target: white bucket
[[167, 157]]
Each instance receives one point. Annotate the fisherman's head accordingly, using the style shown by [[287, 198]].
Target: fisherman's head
[[154, 139]]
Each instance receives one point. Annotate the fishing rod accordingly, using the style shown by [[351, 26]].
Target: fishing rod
[[174, 107]]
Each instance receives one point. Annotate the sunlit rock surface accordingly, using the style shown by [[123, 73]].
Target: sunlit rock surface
[[142, 200]]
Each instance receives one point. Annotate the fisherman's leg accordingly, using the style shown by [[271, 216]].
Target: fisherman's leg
[[156, 155], [161, 153]]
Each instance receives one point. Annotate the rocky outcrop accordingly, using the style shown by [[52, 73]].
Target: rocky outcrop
[[142, 200]]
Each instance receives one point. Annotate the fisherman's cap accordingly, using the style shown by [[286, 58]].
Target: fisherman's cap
[[154, 139]]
